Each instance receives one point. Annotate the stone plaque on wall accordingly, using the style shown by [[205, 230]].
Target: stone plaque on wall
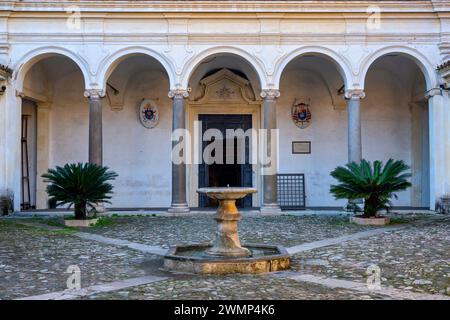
[[301, 147]]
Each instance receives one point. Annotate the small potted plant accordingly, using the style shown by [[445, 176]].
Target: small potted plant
[[81, 185], [374, 184]]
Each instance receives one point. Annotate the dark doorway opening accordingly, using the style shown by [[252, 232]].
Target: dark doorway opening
[[28, 155], [235, 174]]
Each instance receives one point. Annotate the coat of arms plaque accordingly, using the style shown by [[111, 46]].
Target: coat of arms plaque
[[301, 115], [148, 113]]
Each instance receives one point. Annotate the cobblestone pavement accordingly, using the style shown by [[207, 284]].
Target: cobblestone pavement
[[416, 258], [283, 230], [258, 287], [33, 261]]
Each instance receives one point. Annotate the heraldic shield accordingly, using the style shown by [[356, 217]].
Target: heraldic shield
[[301, 115], [148, 113]]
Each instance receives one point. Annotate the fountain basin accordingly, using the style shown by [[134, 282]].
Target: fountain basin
[[226, 254], [195, 259], [227, 193]]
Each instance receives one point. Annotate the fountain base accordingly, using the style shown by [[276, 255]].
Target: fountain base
[[196, 259]]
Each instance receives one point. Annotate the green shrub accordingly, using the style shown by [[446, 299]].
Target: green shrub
[[80, 184], [376, 185]]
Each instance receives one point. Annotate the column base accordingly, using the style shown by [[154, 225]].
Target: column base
[[179, 208], [269, 208]]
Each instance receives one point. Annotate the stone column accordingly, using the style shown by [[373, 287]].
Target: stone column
[[43, 152], [3, 136], [178, 203], [437, 125], [95, 126], [354, 124], [270, 196], [10, 145], [447, 141]]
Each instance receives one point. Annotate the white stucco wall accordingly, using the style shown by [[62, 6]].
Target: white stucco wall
[[327, 133], [140, 156], [267, 35], [386, 123], [386, 130], [68, 121]]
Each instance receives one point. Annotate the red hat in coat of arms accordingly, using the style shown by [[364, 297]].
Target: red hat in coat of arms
[[301, 115]]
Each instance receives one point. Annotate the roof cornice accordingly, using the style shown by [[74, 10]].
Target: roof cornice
[[224, 6]]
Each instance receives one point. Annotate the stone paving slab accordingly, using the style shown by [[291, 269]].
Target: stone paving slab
[[34, 261], [234, 287], [94, 237], [338, 240], [123, 243], [95, 289], [360, 287], [415, 258]]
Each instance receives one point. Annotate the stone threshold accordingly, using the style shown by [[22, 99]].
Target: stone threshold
[[123, 243], [99, 288], [332, 241], [333, 283], [195, 211]]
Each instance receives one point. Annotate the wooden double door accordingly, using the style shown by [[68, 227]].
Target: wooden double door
[[235, 174]]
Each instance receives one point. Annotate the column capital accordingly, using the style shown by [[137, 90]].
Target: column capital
[[20, 94], [354, 94], [178, 94], [433, 92], [270, 94], [94, 94]]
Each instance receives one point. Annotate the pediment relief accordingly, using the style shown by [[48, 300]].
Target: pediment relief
[[225, 87]]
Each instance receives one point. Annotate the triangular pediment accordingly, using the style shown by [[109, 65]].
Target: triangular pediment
[[225, 87]]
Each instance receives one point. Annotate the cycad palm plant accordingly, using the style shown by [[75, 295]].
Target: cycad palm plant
[[80, 184], [376, 185]]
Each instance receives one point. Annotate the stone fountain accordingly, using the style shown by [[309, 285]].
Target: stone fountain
[[226, 254]]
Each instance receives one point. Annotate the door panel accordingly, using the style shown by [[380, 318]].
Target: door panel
[[221, 175]]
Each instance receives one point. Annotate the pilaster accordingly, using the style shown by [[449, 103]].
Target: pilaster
[[43, 152]]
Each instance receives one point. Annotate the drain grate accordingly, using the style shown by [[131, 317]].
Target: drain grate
[[291, 191]]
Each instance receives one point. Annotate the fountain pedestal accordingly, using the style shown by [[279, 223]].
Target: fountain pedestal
[[227, 243]]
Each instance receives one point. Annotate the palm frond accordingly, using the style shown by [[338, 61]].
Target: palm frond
[[79, 184], [376, 183]]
